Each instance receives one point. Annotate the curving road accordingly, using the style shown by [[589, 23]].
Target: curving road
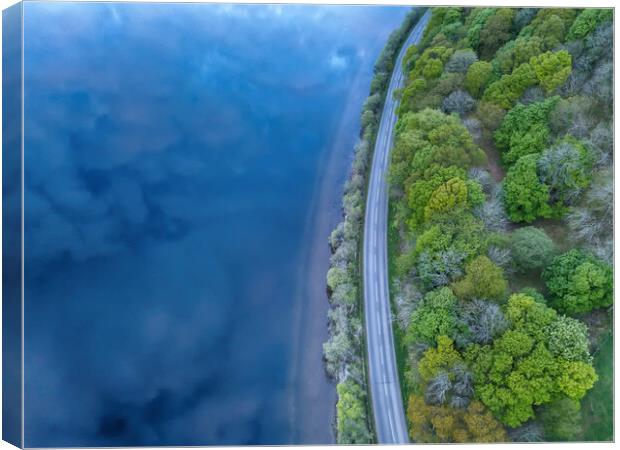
[[387, 404]]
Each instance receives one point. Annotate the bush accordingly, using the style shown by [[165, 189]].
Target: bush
[[579, 282], [531, 248]]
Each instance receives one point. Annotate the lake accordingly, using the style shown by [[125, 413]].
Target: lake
[[184, 165]]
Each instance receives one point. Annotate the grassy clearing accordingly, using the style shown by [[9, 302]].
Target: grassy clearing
[[597, 406]]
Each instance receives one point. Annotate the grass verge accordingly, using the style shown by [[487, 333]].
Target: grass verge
[[399, 347], [597, 408]]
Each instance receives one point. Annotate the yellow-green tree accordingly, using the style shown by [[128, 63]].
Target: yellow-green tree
[[483, 279]]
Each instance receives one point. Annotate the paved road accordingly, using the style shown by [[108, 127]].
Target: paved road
[[387, 404]]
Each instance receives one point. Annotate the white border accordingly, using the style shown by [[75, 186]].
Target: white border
[[528, 3]]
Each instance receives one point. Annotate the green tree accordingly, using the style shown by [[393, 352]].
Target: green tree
[[579, 282], [576, 378], [435, 316], [483, 279], [524, 130], [525, 197], [477, 20], [509, 88], [452, 195], [551, 32], [527, 48], [568, 339], [496, 31], [490, 115], [458, 230], [531, 248], [587, 21], [518, 371], [430, 63], [552, 69], [419, 193], [478, 76], [530, 316], [351, 411]]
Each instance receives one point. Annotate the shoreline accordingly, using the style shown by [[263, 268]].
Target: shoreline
[[312, 301]]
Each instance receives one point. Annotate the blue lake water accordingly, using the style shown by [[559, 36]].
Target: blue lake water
[[183, 166]]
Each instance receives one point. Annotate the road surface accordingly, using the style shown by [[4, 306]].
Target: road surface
[[387, 404]]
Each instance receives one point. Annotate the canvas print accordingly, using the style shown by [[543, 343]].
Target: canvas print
[[267, 224]]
